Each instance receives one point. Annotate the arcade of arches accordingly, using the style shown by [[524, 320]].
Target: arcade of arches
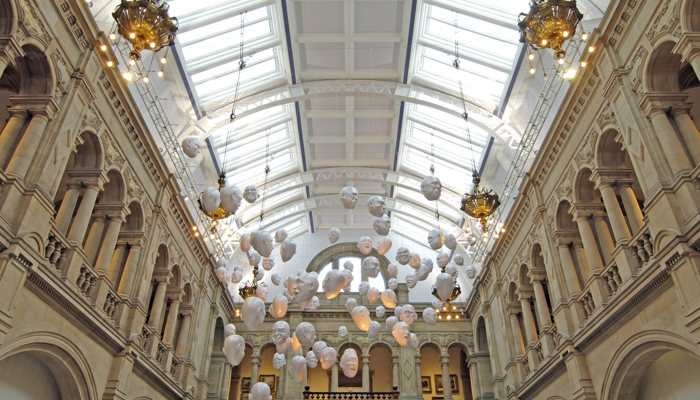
[[594, 293]]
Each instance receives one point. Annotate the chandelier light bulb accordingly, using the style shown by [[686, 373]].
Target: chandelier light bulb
[[531, 56], [110, 63], [532, 70], [113, 36], [132, 35], [132, 62], [561, 61], [591, 49], [128, 76], [103, 47], [163, 60], [565, 34], [145, 79], [584, 36], [544, 42], [583, 64], [160, 73], [153, 45]]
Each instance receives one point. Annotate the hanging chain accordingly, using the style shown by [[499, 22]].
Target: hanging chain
[[232, 117]]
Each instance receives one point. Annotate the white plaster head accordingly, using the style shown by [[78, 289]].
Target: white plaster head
[[390, 322], [350, 304], [280, 235], [276, 279], [333, 235], [190, 146], [408, 314], [261, 273], [411, 281], [262, 242], [393, 284], [260, 391], [450, 241], [389, 298], [296, 344], [333, 283], [230, 198], [234, 349], [306, 333], [244, 242], [393, 270], [342, 331], [382, 225], [254, 258], [413, 341], [370, 266], [444, 284], [278, 361], [262, 291], [402, 255], [278, 308], [451, 269], [280, 332], [348, 280], [284, 346], [383, 245], [401, 333], [360, 315], [297, 368], [253, 312], [436, 238], [328, 357], [430, 316], [311, 359], [318, 347], [380, 311], [222, 275], [458, 259], [414, 260], [373, 331], [376, 206], [229, 329], [365, 245], [268, 263], [210, 199], [373, 295], [424, 271], [237, 274], [431, 187], [289, 284], [250, 194], [287, 250], [397, 311], [470, 270], [348, 265], [349, 362], [306, 286], [442, 259], [312, 304], [348, 197], [364, 287]]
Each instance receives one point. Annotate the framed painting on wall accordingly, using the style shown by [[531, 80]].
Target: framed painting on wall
[[270, 380], [425, 384], [245, 384], [454, 384]]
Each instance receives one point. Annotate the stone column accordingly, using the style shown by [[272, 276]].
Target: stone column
[[604, 238], [127, 282], [688, 130], [115, 265], [589, 245], [65, 212], [92, 244], [629, 201], [528, 320], [518, 343], [581, 261], [10, 134], [417, 373], [184, 333], [567, 263], [28, 145], [395, 370], [612, 207], [446, 382], [541, 304], [365, 373], [254, 368], [108, 244], [670, 143], [157, 307], [77, 229], [171, 323], [334, 377]]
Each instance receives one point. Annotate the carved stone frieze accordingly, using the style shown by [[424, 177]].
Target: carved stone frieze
[[31, 24], [113, 156], [133, 187], [634, 68], [606, 116], [666, 19], [63, 74]]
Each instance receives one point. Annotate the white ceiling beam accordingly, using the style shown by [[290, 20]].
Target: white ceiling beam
[[343, 38], [329, 113], [343, 140], [377, 74]]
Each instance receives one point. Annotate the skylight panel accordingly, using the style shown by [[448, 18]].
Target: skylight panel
[[200, 48]]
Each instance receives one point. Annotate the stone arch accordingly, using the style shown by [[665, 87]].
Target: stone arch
[[609, 152], [134, 221], [689, 13], [662, 67], [632, 358], [460, 363], [347, 249], [159, 274], [563, 220], [480, 336], [584, 189], [175, 277], [539, 266], [114, 191], [88, 154], [8, 18], [58, 356], [380, 367], [35, 72]]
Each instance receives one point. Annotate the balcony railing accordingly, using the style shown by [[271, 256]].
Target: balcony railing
[[351, 396]]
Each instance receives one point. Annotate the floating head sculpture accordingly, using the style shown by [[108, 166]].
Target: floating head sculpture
[[278, 308], [297, 368], [442, 259], [280, 332], [436, 238], [287, 250], [328, 357], [411, 281], [262, 242], [342, 331], [373, 295], [382, 225], [296, 344], [408, 314], [211, 197], [349, 197], [401, 333], [458, 259], [230, 198], [444, 284], [364, 287], [451, 269], [379, 311], [280, 235], [313, 304], [402, 255], [393, 284], [348, 265], [306, 333], [389, 298], [370, 266], [333, 235], [470, 271], [268, 263], [237, 274], [262, 292], [311, 359], [376, 205], [278, 361], [430, 316], [253, 258], [390, 322], [283, 347], [229, 329], [373, 331], [383, 245], [244, 242], [333, 283], [414, 260], [253, 312], [348, 280], [250, 194], [393, 270], [450, 241], [349, 362], [276, 279], [424, 270], [365, 245], [306, 286], [413, 341], [190, 146], [360, 315], [431, 188], [318, 347], [222, 275], [234, 349], [350, 304]]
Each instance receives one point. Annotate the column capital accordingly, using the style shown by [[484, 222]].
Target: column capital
[[563, 238], [37, 106], [175, 295], [688, 46], [10, 48], [655, 103]]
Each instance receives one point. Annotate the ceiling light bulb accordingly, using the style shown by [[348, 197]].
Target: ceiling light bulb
[[196, 234], [532, 70], [561, 61], [584, 36], [128, 76], [530, 56], [160, 73], [113, 36], [145, 79], [591, 49], [103, 47], [163, 60], [110, 63], [583, 64], [153, 45]]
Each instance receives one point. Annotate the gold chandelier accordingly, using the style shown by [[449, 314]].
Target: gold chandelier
[[456, 291], [549, 24], [249, 289], [480, 204], [220, 212], [145, 24]]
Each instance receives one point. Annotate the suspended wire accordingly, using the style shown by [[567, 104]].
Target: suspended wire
[[465, 114], [232, 117], [268, 161]]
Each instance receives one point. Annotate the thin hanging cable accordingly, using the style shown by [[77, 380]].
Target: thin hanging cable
[[268, 161], [232, 117], [465, 114]]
